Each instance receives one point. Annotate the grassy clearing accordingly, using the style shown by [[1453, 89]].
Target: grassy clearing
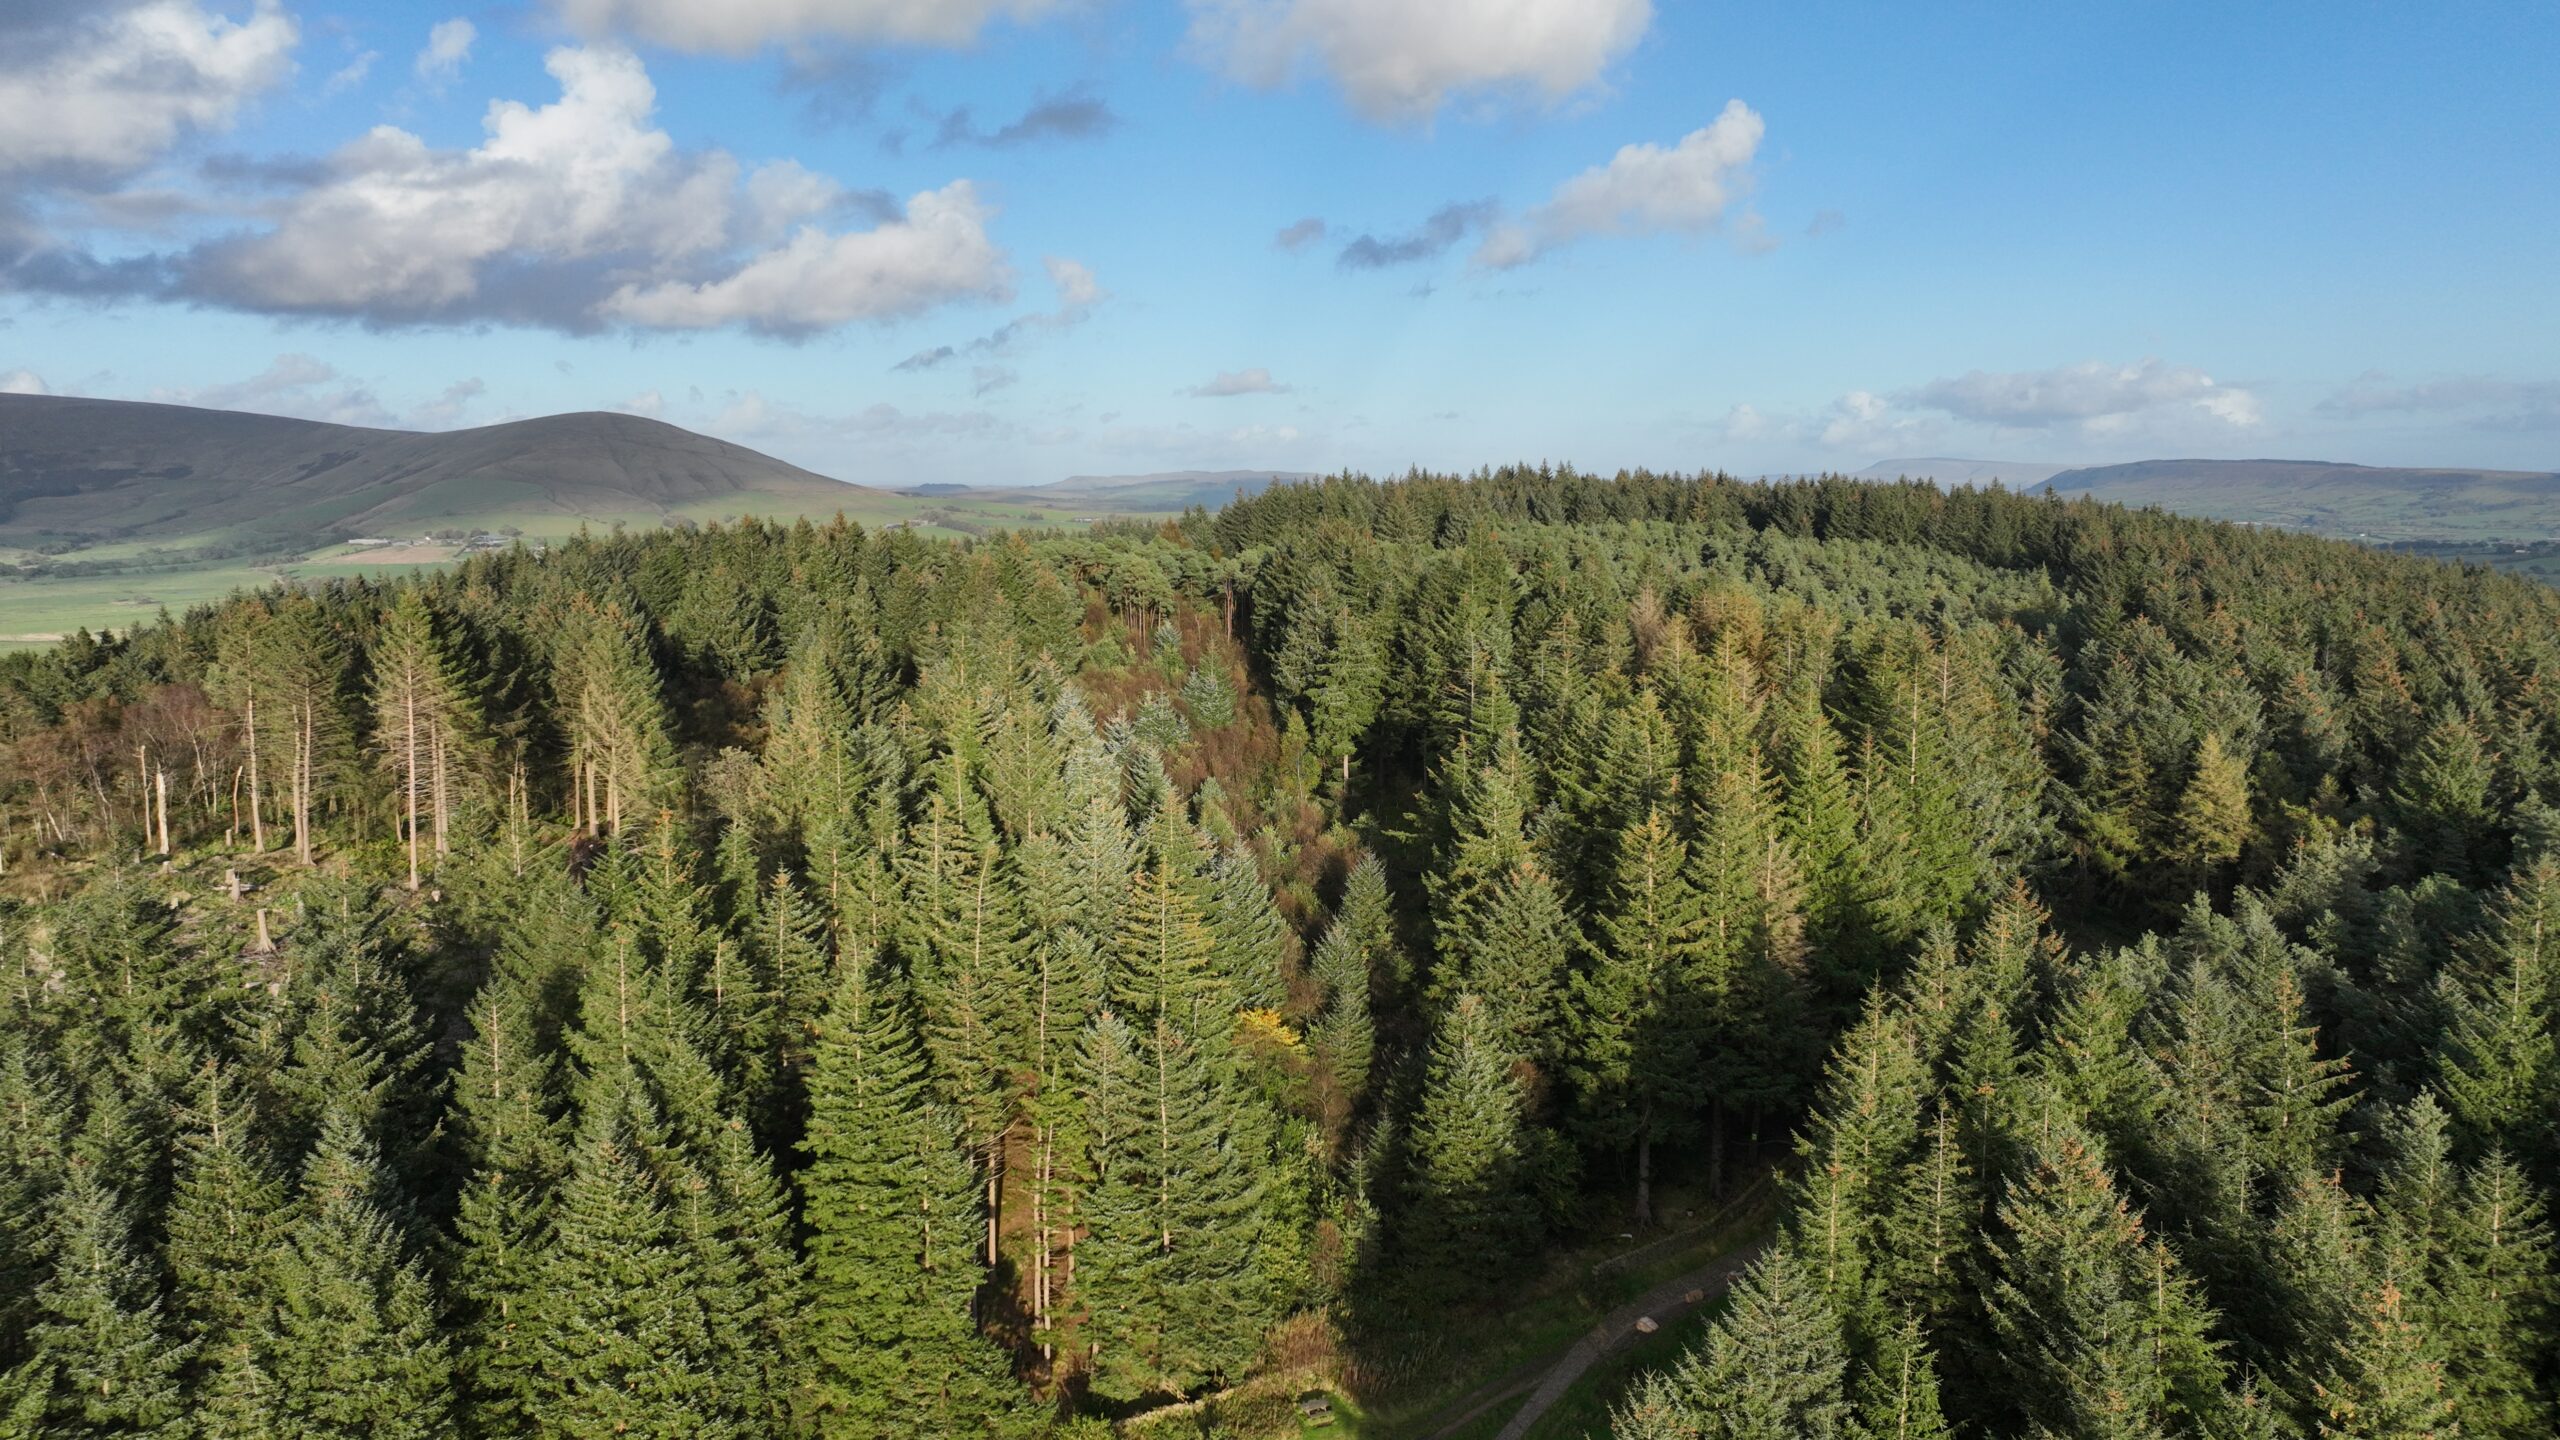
[[1410, 1398]]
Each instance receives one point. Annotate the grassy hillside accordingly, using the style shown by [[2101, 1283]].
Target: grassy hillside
[[112, 510], [2358, 502]]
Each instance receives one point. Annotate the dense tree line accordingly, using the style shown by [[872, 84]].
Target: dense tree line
[[773, 981]]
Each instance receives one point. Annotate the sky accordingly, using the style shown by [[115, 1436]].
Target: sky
[[1005, 241]]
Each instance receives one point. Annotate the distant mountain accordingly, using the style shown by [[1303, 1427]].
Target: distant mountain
[[76, 472], [2015, 474], [2356, 501]]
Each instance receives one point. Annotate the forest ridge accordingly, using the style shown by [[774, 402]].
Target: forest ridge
[[779, 981]]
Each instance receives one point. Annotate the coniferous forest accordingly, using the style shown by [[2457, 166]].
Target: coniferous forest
[[778, 982]]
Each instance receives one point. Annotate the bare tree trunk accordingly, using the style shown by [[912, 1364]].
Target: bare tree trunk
[[257, 815], [409, 764], [444, 799], [306, 735], [160, 779]]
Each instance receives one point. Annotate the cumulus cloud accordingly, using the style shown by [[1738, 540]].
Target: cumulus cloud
[[1644, 189], [1446, 227], [2484, 402], [448, 46], [1072, 118], [1256, 381], [1299, 236], [2099, 398], [937, 253], [22, 382], [1402, 60], [738, 27], [111, 89], [576, 215]]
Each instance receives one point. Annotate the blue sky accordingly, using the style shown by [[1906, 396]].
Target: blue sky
[[1003, 241]]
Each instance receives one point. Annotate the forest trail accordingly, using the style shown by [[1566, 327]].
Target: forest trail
[[1663, 1302]]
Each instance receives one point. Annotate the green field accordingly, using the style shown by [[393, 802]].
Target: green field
[[154, 575]]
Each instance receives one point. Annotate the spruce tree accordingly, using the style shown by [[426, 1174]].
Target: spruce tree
[[613, 1331], [100, 1360], [891, 1205], [1772, 1369], [2100, 1332], [354, 1348], [1636, 1018], [1468, 1218]]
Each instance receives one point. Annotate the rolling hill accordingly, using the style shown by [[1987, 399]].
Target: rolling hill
[[1945, 471], [78, 473], [2363, 502]]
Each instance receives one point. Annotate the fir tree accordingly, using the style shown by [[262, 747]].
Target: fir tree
[[2100, 1332], [1772, 1369], [891, 1204], [100, 1358], [354, 1349], [1468, 1217]]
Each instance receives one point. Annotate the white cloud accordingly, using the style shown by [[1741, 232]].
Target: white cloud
[[120, 89], [1256, 381], [1401, 60], [2100, 399], [22, 382], [1644, 189], [448, 46], [651, 404], [736, 27], [404, 227], [581, 213], [1074, 282], [938, 253]]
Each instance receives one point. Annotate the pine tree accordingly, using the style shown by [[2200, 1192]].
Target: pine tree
[[891, 1205], [100, 1359], [2501, 1072], [301, 667], [1169, 1270], [1772, 1369], [354, 1349], [2100, 1333], [609, 700], [1468, 1218], [511, 1138], [613, 1332], [1636, 1023], [2440, 798], [1863, 1130], [2212, 824], [1895, 1395], [1347, 962], [2491, 1303], [224, 1214]]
